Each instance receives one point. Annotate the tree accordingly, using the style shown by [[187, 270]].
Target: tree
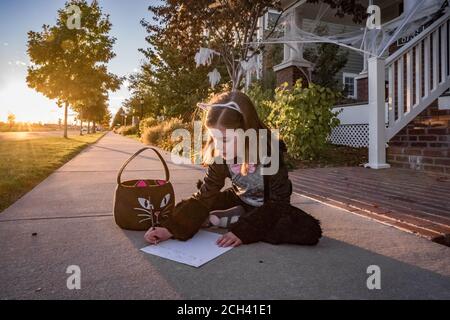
[[224, 28], [69, 63], [346, 7], [11, 120], [169, 81], [106, 121], [227, 30], [328, 60], [118, 118], [92, 109], [97, 113]]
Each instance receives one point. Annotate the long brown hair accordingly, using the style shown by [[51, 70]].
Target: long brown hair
[[231, 119]]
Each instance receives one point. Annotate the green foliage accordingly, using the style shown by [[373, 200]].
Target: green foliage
[[106, 121], [147, 123], [118, 118], [304, 117], [224, 26], [169, 80], [70, 65], [127, 130], [261, 98], [160, 134], [227, 27], [328, 59]]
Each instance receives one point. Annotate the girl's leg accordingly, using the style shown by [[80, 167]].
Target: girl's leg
[[295, 227], [224, 218], [227, 209], [278, 223], [225, 200]]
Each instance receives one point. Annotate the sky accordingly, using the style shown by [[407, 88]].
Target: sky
[[17, 17]]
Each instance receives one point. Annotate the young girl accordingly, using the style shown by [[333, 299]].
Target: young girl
[[256, 207]]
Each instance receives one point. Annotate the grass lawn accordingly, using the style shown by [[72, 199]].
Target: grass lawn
[[24, 164]]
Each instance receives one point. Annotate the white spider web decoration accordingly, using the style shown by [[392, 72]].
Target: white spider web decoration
[[367, 40]]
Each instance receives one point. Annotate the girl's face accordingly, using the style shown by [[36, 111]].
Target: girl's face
[[225, 142]]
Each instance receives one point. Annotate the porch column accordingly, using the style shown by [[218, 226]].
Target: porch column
[[377, 118], [294, 66]]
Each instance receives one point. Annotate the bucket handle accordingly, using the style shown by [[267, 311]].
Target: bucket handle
[[166, 169]]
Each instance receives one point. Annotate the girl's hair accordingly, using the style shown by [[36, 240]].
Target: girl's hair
[[227, 118]]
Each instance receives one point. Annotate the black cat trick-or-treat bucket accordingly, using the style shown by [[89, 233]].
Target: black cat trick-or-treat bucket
[[143, 203]]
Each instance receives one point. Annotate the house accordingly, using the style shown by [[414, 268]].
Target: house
[[402, 105]]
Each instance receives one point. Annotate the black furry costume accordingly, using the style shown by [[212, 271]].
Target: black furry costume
[[275, 222]]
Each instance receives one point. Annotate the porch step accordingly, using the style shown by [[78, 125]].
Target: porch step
[[423, 136], [423, 144]]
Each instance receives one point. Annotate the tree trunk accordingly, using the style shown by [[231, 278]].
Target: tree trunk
[[93, 127], [89, 127], [81, 127], [66, 107]]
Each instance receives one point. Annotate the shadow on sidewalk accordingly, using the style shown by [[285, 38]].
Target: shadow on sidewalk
[[331, 270]]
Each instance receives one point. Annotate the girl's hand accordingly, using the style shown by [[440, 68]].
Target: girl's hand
[[156, 235], [229, 240]]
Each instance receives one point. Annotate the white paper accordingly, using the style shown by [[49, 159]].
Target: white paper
[[195, 252]]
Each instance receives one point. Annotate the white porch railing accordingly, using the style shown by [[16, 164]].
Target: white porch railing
[[417, 75]]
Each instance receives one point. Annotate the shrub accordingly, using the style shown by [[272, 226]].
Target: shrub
[[168, 128], [160, 134], [147, 123], [151, 135], [304, 117], [261, 98], [127, 130]]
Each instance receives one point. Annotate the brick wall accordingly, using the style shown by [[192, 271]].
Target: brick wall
[[362, 89], [290, 75], [424, 144]]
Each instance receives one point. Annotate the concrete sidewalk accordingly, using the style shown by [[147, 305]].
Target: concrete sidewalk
[[71, 213]]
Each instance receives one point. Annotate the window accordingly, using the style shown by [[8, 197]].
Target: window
[[270, 19], [349, 82]]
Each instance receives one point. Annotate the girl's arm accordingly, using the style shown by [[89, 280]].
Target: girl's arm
[[254, 226], [212, 184], [189, 215]]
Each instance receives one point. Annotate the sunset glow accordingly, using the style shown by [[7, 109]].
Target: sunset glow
[[30, 106]]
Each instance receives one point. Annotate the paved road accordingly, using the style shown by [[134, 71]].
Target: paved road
[[71, 213], [15, 136]]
